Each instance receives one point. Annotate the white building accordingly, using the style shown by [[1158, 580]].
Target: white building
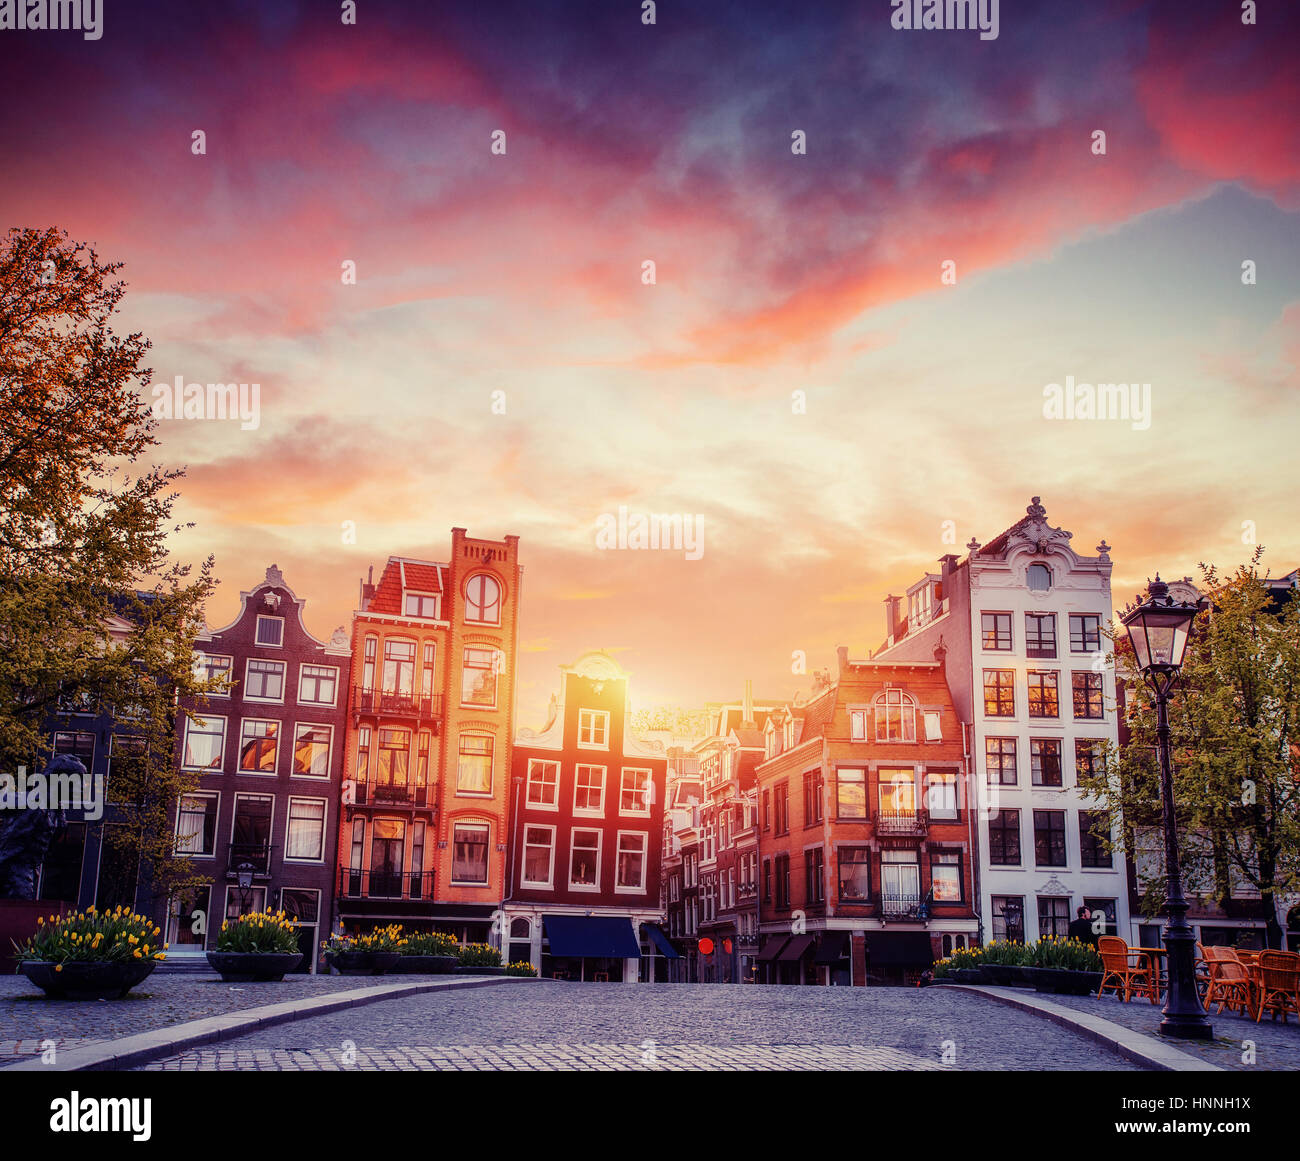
[[1021, 621]]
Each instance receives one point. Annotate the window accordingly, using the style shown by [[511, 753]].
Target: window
[[251, 831], [478, 677], [851, 793], [483, 600], [79, 743], [1039, 578], [399, 667], [1087, 691], [636, 792], [897, 791], [1094, 828], [474, 770], [387, 852], [895, 717], [812, 797], [593, 728], [814, 874], [368, 666], [584, 860], [783, 882], [995, 630], [196, 825], [1045, 761], [631, 861], [945, 876], [1107, 908], [782, 804], [426, 671], [1000, 761], [270, 631], [1000, 693], [1087, 757], [1053, 916], [305, 838], [1085, 632], [363, 754], [317, 684], [1040, 634], [264, 680], [420, 605], [857, 726], [543, 783], [205, 743], [311, 751], [1004, 838], [900, 880], [767, 810], [941, 794], [855, 874], [1049, 838], [1009, 918], [469, 863], [539, 855], [589, 790], [213, 667], [767, 880], [1042, 694], [393, 759], [258, 743]]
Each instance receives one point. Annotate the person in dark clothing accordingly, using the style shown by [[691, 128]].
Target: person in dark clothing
[[1081, 928]]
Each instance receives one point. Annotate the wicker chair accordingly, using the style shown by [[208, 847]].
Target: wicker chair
[[1229, 980], [1120, 976], [1279, 984]]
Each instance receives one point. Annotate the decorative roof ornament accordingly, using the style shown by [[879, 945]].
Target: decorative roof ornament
[[274, 576], [1036, 510], [1103, 552], [973, 546], [339, 636]]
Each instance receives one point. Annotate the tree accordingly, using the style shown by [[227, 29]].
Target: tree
[[1236, 761], [93, 610]]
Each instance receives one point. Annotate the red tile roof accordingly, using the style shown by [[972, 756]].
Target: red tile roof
[[422, 576]]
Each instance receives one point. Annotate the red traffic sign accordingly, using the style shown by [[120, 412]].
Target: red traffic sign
[[706, 946]]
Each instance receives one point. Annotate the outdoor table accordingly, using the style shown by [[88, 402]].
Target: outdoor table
[[1154, 956]]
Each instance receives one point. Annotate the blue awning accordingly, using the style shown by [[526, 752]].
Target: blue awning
[[592, 936], [660, 940]]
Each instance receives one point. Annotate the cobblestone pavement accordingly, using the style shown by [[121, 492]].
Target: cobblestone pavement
[[554, 1024], [1276, 1045], [27, 1018]]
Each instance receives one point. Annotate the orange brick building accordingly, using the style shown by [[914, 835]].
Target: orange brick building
[[431, 717], [866, 841]]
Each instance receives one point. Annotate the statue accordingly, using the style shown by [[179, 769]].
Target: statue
[[25, 835]]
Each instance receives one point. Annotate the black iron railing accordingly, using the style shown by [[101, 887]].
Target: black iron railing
[[902, 822], [898, 906], [255, 856], [411, 885], [396, 704], [392, 794]]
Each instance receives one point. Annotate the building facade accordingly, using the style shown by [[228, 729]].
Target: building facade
[[587, 837], [1021, 619], [430, 716]]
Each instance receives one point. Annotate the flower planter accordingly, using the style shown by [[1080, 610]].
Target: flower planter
[[1063, 981], [1023, 977], [969, 976], [253, 966], [362, 963], [105, 980], [485, 970], [426, 964], [1002, 975]]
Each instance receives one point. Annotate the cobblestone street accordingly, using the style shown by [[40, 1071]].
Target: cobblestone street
[[598, 1026]]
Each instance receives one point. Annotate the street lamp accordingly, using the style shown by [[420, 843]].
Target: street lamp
[[1158, 629], [245, 878]]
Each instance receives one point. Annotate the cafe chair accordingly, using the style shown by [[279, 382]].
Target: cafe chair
[[1120, 976], [1279, 984]]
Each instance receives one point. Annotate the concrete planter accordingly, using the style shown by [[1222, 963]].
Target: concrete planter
[[969, 976], [1062, 982], [109, 980], [428, 965], [362, 963], [253, 967]]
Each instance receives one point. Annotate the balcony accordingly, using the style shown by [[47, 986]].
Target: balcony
[[908, 823], [898, 906], [393, 794], [392, 704], [255, 855], [413, 886]]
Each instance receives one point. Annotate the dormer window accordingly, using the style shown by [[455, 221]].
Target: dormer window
[[1039, 578], [788, 733], [270, 631], [420, 605]]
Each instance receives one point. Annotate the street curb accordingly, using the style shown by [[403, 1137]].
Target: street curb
[[142, 1047], [1140, 1049]]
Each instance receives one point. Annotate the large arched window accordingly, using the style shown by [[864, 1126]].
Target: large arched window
[[483, 600], [895, 716]]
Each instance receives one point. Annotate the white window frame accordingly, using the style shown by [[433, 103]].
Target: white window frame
[[554, 804], [496, 668], [422, 597], [587, 811], [324, 828], [329, 750], [257, 632], [284, 676], [279, 737], [309, 701], [622, 888], [214, 794], [480, 824], [207, 723], [593, 888], [229, 670], [501, 594], [947, 778], [647, 793], [586, 724], [549, 881]]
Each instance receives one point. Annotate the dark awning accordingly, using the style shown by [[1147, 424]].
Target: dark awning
[[660, 940], [834, 947], [795, 949], [898, 949], [772, 948], [591, 936]]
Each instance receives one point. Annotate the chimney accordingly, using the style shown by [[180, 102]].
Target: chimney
[[891, 614], [368, 589], [749, 703]]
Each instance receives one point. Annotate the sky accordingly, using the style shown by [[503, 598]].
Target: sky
[[798, 375]]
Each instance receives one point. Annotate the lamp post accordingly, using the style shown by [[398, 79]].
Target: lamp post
[[245, 878], [1158, 629]]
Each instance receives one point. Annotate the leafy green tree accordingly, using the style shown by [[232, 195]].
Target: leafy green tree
[[93, 610], [1233, 740]]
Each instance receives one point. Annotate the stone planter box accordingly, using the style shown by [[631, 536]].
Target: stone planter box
[[432, 965], [1001, 975], [1062, 982], [253, 967], [362, 963], [465, 969], [88, 981], [969, 976]]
